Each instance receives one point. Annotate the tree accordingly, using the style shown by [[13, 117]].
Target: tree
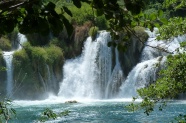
[[38, 16], [171, 81], [32, 16]]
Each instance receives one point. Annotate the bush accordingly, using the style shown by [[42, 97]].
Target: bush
[[39, 55], [93, 32], [101, 23], [5, 44], [140, 32], [84, 14], [54, 54], [20, 58]]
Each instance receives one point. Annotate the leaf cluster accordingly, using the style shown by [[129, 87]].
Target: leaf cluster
[[174, 27], [49, 114], [169, 85], [33, 17], [6, 112]]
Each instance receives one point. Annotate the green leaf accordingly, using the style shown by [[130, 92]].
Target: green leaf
[[141, 14], [153, 16], [77, 3], [99, 12], [160, 13], [68, 26], [98, 3], [67, 11], [13, 110], [164, 21], [133, 23], [50, 6], [157, 25]]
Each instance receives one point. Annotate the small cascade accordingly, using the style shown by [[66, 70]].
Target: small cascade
[[141, 76], [115, 79], [152, 60], [51, 80], [8, 56], [22, 40], [8, 59]]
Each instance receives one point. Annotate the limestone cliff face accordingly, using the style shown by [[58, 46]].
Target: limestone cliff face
[[72, 46], [131, 57]]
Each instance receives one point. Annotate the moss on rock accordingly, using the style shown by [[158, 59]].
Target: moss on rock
[[5, 44]]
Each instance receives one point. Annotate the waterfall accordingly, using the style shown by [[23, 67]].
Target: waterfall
[[91, 75], [22, 40], [152, 60], [141, 76], [115, 78], [8, 59], [8, 56], [97, 73], [51, 80]]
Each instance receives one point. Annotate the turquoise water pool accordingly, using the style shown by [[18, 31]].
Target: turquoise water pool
[[95, 112]]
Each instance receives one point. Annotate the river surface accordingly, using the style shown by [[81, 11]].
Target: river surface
[[95, 111]]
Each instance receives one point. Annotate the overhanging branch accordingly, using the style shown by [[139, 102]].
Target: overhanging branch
[[159, 48]]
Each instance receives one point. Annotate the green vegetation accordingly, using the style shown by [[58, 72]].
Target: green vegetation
[[30, 64], [5, 44], [140, 33], [6, 112], [54, 54], [93, 32], [52, 17], [48, 114], [171, 81]]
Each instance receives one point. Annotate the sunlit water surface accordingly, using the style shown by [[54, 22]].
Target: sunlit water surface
[[95, 111]]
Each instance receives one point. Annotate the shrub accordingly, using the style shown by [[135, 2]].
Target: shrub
[[93, 32], [5, 44], [54, 54], [39, 55], [140, 32], [20, 58], [101, 23]]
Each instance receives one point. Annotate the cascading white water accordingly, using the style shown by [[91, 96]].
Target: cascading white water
[[115, 79], [152, 60], [8, 56], [8, 59], [141, 75], [22, 40], [90, 75]]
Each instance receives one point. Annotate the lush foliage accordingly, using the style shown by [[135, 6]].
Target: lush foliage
[[5, 43], [49, 114], [6, 112], [31, 66], [54, 54], [167, 31], [93, 32], [171, 80], [32, 16]]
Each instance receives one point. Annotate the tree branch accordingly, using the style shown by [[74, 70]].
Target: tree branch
[[159, 48], [12, 5]]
